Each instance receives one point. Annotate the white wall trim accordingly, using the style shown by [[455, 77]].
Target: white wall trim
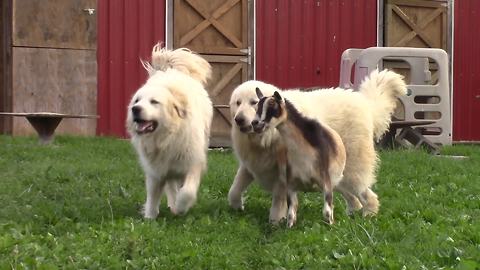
[[169, 24], [380, 22], [254, 49], [451, 9]]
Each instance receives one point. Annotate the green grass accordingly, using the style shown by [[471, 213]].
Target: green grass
[[75, 204]]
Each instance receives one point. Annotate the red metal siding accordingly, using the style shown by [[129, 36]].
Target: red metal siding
[[299, 43], [466, 71], [127, 31]]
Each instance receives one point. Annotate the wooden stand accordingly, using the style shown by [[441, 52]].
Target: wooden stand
[[45, 123]]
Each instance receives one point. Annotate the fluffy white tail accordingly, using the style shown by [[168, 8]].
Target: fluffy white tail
[[182, 60], [383, 88]]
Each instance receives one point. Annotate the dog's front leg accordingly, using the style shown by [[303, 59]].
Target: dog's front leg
[[242, 180], [187, 195], [154, 188], [171, 190]]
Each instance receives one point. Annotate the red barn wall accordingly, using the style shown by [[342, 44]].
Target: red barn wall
[[299, 43], [466, 71], [127, 31]]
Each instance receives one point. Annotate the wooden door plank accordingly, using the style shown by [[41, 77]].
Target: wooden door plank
[[54, 24], [6, 67], [409, 36], [225, 79], [226, 118], [213, 20], [194, 32], [244, 20], [69, 90], [221, 58], [419, 3], [413, 26]]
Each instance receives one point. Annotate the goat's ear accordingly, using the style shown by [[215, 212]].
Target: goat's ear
[[259, 93], [277, 96]]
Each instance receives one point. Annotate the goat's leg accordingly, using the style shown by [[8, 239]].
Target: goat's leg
[[328, 200], [278, 210], [292, 202]]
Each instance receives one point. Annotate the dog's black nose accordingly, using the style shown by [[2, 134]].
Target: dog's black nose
[[136, 110], [255, 122], [240, 121]]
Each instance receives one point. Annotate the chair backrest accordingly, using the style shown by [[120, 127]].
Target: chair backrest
[[349, 57], [367, 60]]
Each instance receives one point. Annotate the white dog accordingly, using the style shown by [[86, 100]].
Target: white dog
[[169, 120], [358, 117]]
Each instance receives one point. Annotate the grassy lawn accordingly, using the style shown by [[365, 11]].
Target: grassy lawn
[[75, 204]]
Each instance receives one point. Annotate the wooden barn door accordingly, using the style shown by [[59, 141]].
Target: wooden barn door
[[416, 23], [218, 30]]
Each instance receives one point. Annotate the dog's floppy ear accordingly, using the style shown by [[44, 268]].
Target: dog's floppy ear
[[178, 105], [259, 93], [277, 96]]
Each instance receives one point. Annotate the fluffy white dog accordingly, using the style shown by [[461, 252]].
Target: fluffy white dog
[[169, 120], [358, 117]]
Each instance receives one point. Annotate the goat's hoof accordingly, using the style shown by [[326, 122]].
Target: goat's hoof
[[291, 220]]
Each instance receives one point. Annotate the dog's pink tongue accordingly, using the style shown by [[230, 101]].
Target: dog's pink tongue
[[144, 126]]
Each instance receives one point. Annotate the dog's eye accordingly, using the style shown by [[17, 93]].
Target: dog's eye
[[253, 102], [137, 100], [154, 102], [238, 102]]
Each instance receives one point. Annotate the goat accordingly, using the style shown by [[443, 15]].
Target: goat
[[314, 158]]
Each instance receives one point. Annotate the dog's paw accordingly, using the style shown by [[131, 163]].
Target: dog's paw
[[149, 212], [185, 200], [276, 222], [369, 212], [235, 200], [353, 207], [236, 203]]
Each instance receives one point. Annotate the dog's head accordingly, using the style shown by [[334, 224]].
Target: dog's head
[[244, 103], [270, 113], [155, 108]]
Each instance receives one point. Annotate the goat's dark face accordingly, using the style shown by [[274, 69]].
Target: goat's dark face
[[270, 112]]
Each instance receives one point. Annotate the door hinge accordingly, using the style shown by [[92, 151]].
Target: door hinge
[[245, 60], [246, 51], [248, 59]]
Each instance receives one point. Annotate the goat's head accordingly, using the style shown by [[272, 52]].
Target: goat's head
[[270, 112]]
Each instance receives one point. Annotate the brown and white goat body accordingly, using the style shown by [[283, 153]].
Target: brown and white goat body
[[314, 158]]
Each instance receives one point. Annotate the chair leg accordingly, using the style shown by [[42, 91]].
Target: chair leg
[[416, 138]]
